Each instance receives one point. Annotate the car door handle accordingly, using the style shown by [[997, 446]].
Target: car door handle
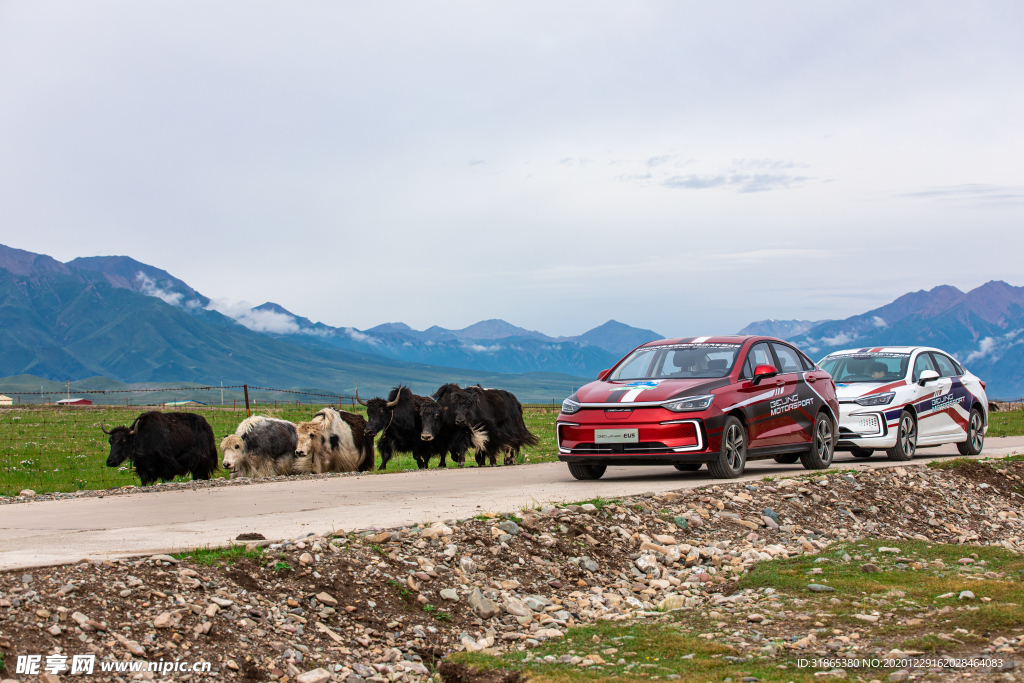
[[812, 379], [780, 383]]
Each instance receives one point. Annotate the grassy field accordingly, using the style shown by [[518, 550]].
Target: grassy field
[[912, 599], [1010, 423], [50, 449]]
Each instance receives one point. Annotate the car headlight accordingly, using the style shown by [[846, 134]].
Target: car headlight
[[689, 403], [570, 406], [876, 399]]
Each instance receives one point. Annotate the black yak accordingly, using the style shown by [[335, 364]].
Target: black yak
[[398, 422], [494, 412], [164, 446], [444, 436]]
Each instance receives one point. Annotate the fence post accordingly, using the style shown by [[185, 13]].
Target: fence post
[[246, 388]]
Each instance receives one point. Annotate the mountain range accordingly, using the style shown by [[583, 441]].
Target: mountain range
[[118, 318], [982, 328]]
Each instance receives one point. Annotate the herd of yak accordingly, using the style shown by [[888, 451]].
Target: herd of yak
[[162, 446]]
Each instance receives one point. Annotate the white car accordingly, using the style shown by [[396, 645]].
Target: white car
[[901, 398]]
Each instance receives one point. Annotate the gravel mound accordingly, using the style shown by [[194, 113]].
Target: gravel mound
[[380, 605]]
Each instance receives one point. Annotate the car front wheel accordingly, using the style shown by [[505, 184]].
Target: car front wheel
[[823, 445], [585, 472], [975, 435], [732, 458], [906, 438]]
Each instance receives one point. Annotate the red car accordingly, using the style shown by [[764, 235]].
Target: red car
[[719, 401]]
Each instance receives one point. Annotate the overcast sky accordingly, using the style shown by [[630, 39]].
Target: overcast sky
[[685, 167]]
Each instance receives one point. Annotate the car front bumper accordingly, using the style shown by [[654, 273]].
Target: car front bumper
[[864, 427], [663, 437]]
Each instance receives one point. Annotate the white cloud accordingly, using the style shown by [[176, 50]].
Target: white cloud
[[994, 347], [149, 287], [879, 322], [985, 347], [359, 336], [838, 340], [242, 312], [477, 348]]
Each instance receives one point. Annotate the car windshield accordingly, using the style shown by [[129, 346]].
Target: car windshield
[[867, 367], [677, 361]]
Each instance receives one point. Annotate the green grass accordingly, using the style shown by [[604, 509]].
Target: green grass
[[920, 588], [220, 556], [649, 650], [49, 449], [599, 502], [672, 645], [951, 463], [1010, 423]]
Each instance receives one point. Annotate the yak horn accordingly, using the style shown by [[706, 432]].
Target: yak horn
[[398, 397], [361, 401], [103, 430]]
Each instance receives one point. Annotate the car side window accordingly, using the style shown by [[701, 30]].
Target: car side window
[[807, 362], [945, 365], [923, 362], [759, 354], [788, 360]]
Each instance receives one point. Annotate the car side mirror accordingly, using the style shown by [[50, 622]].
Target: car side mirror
[[762, 372], [927, 376], [603, 375]]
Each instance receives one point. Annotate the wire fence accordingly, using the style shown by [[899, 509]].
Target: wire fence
[[49, 447]]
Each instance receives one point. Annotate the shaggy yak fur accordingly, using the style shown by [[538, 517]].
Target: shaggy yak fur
[[495, 412], [399, 422], [444, 436], [260, 447], [164, 446], [333, 441]]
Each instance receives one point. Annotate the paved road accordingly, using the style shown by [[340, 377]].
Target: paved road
[[54, 532]]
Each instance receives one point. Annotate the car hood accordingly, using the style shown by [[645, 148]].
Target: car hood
[[646, 390], [853, 390]]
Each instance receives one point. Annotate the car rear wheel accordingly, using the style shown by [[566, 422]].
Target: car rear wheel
[[687, 466], [584, 472], [906, 438], [823, 445], [787, 458], [732, 458], [975, 435], [861, 452]]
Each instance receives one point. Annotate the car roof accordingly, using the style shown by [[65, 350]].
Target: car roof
[[721, 339], [885, 349]]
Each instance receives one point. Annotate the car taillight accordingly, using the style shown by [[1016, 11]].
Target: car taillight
[[982, 383]]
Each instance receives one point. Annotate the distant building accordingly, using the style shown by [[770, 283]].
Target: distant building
[[178, 404], [6, 400], [74, 402]]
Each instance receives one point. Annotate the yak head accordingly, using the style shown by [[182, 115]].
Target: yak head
[[432, 417], [314, 438], [379, 412], [462, 406], [233, 449], [122, 443]]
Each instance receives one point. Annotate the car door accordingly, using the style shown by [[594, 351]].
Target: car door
[[949, 414], [923, 396], [792, 410], [756, 399]]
